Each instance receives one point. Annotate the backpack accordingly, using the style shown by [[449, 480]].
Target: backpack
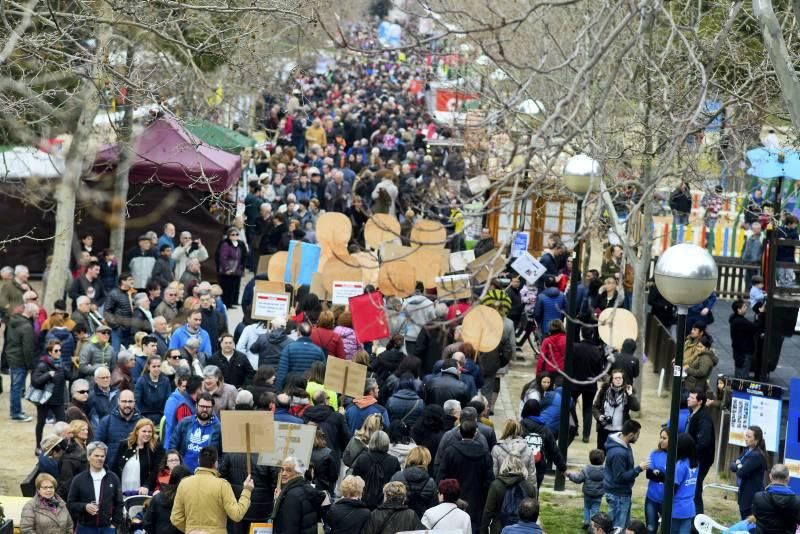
[[511, 501], [373, 485], [414, 498]]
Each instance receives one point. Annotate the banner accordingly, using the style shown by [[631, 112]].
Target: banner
[[792, 452]]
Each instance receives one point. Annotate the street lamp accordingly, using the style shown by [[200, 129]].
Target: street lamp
[[685, 275], [581, 174]]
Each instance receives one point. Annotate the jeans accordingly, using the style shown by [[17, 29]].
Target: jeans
[[83, 529], [741, 363], [681, 526], [652, 512], [680, 219], [619, 509], [591, 506], [18, 377], [587, 397]]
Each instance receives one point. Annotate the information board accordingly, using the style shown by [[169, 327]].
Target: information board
[[343, 290], [268, 306], [755, 404]]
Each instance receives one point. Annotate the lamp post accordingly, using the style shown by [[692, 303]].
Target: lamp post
[[580, 174], [685, 275]]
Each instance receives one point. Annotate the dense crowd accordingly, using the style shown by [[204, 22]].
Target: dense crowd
[[133, 375]]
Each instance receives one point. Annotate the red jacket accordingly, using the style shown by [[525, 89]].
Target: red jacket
[[329, 341], [554, 348]]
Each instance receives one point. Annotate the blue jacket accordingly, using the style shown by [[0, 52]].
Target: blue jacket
[[164, 240], [749, 477], [522, 527], [282, 415], [182, 335], [113, 429], [621, 471], [550, 304], [297, 357], [175, 401], [48, 465], [472, 369], [655, 488], [99, 404], [190, 436], [355, 416], [694, 311], [551, 409], [151, 397], [405, 403], [786, 253]]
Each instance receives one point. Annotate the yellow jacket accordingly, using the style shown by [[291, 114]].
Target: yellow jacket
[[316, 135], [204, 500]]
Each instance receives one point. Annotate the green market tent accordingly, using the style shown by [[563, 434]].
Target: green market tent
[[219, 136]]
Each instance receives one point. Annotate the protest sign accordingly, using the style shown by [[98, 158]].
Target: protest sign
[[345, 377], [343, 290], [528, 267], [290, 440]]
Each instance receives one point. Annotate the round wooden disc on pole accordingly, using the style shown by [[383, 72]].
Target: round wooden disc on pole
[[397, 278], [428, 233], [381, 228], [334, 229], [482, 328], [276, 267], [615, 325]]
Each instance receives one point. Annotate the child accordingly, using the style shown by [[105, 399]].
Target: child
[[757, 293], [591, 476], [743, 339]]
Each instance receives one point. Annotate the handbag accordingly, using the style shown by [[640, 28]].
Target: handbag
[[39, 396]]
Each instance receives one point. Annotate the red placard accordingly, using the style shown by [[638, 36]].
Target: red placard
[[369, 317]]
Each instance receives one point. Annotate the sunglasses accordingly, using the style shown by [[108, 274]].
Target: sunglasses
[[56, 350], [174, 357], [82, 391]]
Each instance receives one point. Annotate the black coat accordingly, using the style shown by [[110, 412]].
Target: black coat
[[149, 462], [701, 428], [41, 377], [626, 361], [233, 468], [390, 518], [237, 371], [444, 387], [332, 423], [431, 341], [545, 448], [743, 334], [325, 468], [81, 493], [469, 463], [298, 508], [661, 307], [347, 516], [361, 468], [421, 489], [156, 516], [588, 362], [776, 511]]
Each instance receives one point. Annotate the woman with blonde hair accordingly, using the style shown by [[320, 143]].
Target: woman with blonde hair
[[360, 440], [348, 514], [46, 512], [138, 459], [512, 443], [513, 478], [74, 460], [420, 486]]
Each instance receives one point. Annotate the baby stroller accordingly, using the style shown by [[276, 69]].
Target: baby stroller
[[133, 513]]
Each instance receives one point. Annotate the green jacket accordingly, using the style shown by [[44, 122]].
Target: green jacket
[[10, 297], [20, 342], [491, 523]]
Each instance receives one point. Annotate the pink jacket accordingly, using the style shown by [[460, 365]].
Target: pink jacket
[[351, 345]]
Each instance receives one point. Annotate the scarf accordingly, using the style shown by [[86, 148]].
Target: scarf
[[51, 504], [615, 397]]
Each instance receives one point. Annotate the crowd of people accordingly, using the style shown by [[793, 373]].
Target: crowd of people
[[133, 375]]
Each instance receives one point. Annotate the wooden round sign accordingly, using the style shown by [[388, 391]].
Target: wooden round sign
[[428, 233], [381, 228], [276, 268], [397, 279], [340, 269], [333, 228], [615, 325], [482, 328]]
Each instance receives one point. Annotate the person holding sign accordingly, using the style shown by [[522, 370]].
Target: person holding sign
[[205, 501], [297, 503]]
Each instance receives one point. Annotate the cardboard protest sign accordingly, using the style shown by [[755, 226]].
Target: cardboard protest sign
[[318, 286], [264, 309], [263, 263], [345, 377], [333, 229], [370, 267], [369, 317], [482, 328], [343, 290], [381, 228], [453, 287], [428, 233], [489, 263], [247, 431], [290, 440], [528, 267], [397, 278], [277, 266], [301, 263], [341, 268], [430, 263], [459, 260]]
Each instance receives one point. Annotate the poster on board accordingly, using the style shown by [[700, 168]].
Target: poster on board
[[267, 306], [290, 440], [519, 245], [343, 290], [528, 267], [755, 403]]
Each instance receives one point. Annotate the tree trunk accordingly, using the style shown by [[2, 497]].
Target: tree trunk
[[67, 190], [642, 270], [119, 201]]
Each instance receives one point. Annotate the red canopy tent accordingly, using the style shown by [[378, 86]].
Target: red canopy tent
[[166, 153]]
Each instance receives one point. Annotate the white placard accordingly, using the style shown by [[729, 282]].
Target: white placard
[[271, 305], [290, 440], [459, 260], [766, 414], [342, 291], [520, 244], [528, 267], [740, 420]]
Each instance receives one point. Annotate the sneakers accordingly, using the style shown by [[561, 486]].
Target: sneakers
[[50, 421], [22, 418]]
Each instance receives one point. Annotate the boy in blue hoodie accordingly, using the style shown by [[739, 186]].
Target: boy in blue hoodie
[[591, 476], [621, 472]]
